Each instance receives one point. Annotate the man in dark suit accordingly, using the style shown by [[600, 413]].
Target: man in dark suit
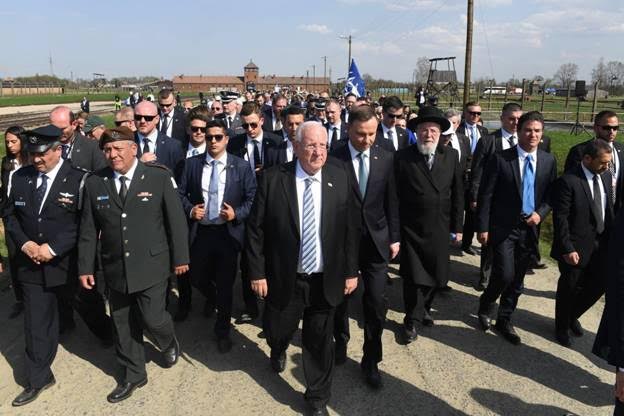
[[172, 119], [252, 147], [389, 135], [230, 113], [302, 250], [471, 128], [336, 129], [133, 211], [217, 190], [502, 139], [431, 199], [293, 117], [582, 215], [459, 142], [349, 100], [606, 126], [42, 219], [372, 177], [152, 145], [272, 117], [514, 197]]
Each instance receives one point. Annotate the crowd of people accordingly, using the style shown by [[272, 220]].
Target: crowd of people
[[306, 199]]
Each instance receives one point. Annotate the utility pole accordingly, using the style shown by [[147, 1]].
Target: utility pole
[[468, 63], [324, 58], [348, 63], [314, 72], [51, 66]]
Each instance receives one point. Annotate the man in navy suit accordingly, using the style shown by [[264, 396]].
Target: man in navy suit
[[390, 136], [336, 129], [153, 146], [172, 119], [42, 220], [292, 117], [217, 190], [514, 198], [272, 115]]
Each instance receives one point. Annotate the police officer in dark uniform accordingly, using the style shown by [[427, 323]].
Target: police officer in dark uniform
[[135, 210], [42, 220]]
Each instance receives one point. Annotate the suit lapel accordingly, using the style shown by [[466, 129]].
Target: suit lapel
[[229, 171], [540, 176], [587, 191], [109, 182], [327, 201], [56, 184], [135, 184], [422, 165], [344, 154], [290, 190], [515, 168]]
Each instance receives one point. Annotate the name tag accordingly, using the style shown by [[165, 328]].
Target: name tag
[[102, 198], [20, 203]]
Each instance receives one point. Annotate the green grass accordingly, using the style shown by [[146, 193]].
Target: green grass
[[9, 101]]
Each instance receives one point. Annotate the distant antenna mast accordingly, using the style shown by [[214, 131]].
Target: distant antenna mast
[[51, 66]]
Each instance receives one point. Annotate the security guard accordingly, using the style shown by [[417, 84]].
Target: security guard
[[135, 210], [43, 221]]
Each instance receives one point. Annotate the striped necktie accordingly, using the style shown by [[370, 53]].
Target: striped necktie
[[308, 250]]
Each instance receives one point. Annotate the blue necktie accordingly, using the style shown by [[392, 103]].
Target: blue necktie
[[363, 174], [528, 187], [213, 193], [308, 248], [473, 138]]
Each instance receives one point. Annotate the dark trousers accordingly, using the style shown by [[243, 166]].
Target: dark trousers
[[185, 291], [90, 306], [374, 271], [578, 289], [469, 223], [131, 312], [249, 297], [308, 301], [619, 408], [485, 265], [418, 300], [41, 332], [12, 251], [214, 256], [510, 259]]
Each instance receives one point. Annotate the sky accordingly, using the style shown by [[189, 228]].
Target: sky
[[520, 38]]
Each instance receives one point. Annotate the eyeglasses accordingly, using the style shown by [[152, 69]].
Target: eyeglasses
[[196, 129], [165, 105], [607, 127], [252, 125], [474, 113], [394, 115], [119, 123], [217, 137], [138, 117]]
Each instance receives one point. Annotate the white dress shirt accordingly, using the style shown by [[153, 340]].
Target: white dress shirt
[[198, 150], [169, 124], [206, 175], [455, 145], [589, 175], [289, 151], [51, 175], [128, 175], [395, 140], [152, 140], [505, 137], [330, 132], [250, 150], [355, 160], [16, 166], [316, 186], [521, 156]]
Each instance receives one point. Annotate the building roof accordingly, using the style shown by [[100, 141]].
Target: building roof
[[201, 79], [251, 65], [292, 80]]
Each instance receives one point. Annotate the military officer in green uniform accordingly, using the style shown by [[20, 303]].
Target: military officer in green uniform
[[134, 210]]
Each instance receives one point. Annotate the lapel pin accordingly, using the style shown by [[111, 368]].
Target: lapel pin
[[375, 157], [64, 179], [142, 176], [105, 178], [330, 184]]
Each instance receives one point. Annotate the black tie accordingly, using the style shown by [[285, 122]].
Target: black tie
[[146, 148], [123, 189], [65, 151], [612, 170], [598, 205], [511, 140], [40, 191], [165, 124], [334, 136], [229, 122], [256, 154]]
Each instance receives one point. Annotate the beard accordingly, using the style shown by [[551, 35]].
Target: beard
[[428, 148]]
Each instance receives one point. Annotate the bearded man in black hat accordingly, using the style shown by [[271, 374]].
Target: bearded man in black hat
[[430, 189]]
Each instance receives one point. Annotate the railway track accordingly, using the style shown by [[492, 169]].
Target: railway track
[[31, 120]]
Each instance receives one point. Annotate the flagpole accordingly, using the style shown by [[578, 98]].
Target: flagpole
[[348, 63]]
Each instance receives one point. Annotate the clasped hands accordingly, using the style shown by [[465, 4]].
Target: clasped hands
[[37, 253]]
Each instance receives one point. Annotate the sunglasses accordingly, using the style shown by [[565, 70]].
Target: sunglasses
[[217, 137], [138, 117], [474, 113], [252, 125], [119, 123], [165, 105], [196, 129], [394, 115], [607, 127]]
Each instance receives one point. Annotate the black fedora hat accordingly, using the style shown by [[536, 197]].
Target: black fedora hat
[[430, 114]]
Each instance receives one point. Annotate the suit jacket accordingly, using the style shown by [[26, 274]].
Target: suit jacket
[[464, 157], [499, 203], [273, 240], [575, 155], [169, 153], [402, 139], [342, 138], [380, 204], [178, 128], [482, 131], [238, 145], [236, 127], [86, 154], [57, 224], [276, 155], [240, 188], [574, 215], [142, 239], [267, 115]]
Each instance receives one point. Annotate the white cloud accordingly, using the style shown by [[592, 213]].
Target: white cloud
[[315, 28], [377, 48]]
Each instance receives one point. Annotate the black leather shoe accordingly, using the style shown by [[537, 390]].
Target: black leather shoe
[[469, 250], [409, 333], [483, 283], [576, 328], [209, 309], [563, 338], [30, 394], [539, 265], [278, 362], [484, 321], [319, 411], [341, 354], [124, 390], [16, 310], [371, 374], [506, 329], [181, 314], [224, 344], [530, 272], [172, 353]]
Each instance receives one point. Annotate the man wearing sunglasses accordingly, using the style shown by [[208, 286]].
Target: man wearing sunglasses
[[606, 126], [292, 117], [217, 190], [153, 146], [389, 135], [172, 120], [125, 117]]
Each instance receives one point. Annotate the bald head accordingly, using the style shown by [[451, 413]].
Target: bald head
[[143, 111], [63, 118]]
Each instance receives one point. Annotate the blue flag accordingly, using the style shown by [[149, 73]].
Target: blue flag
[[355, 83]]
